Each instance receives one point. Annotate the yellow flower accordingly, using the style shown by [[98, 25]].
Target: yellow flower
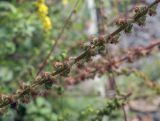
[[47, 25], [65, 2], [42, 9]]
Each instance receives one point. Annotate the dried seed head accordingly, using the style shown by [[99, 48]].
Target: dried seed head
[[45, 75], [114, 39], [19, 91], [101, 40], [94, 41], [86, 46], [4, 98], [137, 9], [66, 70], [71, 60], [25, 99], [24, 85], [48, 79], [121, 21], [58, 66], [140, 12]]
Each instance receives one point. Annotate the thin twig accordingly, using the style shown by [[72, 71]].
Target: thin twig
[[124, 112]]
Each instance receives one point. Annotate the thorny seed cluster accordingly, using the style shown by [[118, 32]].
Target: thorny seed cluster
[[103, 65]]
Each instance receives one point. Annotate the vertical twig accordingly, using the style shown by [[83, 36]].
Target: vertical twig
[[124, 113]]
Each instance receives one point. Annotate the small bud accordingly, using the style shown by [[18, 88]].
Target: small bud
[[128, 28], [94, 41], [100, 49], [11, 99], [4, 98], [71, 60], [89, 54], [140, 11], [101, 40], [152, 10], [19, 91], [86, 46], [25, 98], [24, 86], [137, 9], [114, 39], [66, 70], [46, 76], [48, 79], [48, 85], [141, 21]]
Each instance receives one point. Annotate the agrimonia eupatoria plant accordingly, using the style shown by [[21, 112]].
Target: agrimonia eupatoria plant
[[63, 68]]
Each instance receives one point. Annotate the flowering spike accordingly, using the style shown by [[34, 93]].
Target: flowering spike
[[42, 11]]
